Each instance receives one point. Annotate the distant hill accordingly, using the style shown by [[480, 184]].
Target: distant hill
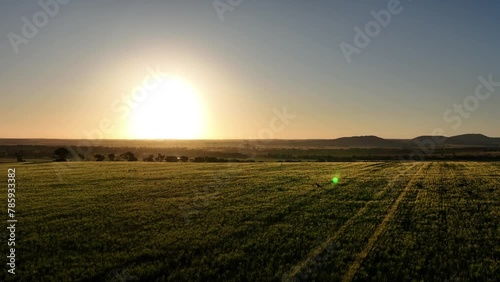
[[463, 140], [377, 142], [363, 141], [354, 141], [350, 142], [437, 138], [473, 139]]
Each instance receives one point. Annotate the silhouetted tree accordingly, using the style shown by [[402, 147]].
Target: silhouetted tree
[[150, 158], [160, 158], [81, 156], [184, 159], [99, 157], [171, 159], [61, 154], [129, 156], [111, 157], [211, 160], [199, 159], [19, 156]]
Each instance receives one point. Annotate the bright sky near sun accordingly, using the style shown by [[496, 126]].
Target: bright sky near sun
[[192, 69]]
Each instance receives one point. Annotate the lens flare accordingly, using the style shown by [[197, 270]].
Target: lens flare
[[335, 180]]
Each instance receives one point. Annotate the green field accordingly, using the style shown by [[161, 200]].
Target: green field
[[118, 221]]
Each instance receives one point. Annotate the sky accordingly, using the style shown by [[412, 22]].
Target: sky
[[248, 69]]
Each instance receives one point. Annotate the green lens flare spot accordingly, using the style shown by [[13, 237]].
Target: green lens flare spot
[[335, 180]]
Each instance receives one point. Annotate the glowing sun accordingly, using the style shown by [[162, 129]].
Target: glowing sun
[[171, 110]]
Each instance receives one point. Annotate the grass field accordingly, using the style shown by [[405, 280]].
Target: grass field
[[255, 222]]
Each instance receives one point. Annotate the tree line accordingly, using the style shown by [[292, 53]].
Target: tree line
[[62, 155]]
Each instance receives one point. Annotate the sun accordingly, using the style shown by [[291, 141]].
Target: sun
[[171, 110]]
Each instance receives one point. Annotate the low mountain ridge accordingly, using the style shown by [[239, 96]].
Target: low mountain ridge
[[464, 140], [369, 141], [363, 141], [473, 139]]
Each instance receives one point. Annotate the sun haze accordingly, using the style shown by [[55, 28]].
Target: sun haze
[[172, 110], [232, 69]]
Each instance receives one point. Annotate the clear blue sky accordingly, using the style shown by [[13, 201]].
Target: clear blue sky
[[263, 55]]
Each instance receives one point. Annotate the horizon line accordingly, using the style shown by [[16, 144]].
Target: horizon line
[[235, 139]]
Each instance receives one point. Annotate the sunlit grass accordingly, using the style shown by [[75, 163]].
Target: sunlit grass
[[213, 222]]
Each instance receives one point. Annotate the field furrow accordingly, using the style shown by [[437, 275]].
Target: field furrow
[[393, 221]]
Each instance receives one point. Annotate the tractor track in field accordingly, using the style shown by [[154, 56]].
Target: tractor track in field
[[314, 256], [353, 269]]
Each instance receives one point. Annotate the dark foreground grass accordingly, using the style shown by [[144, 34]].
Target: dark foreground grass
[[253, 222]]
